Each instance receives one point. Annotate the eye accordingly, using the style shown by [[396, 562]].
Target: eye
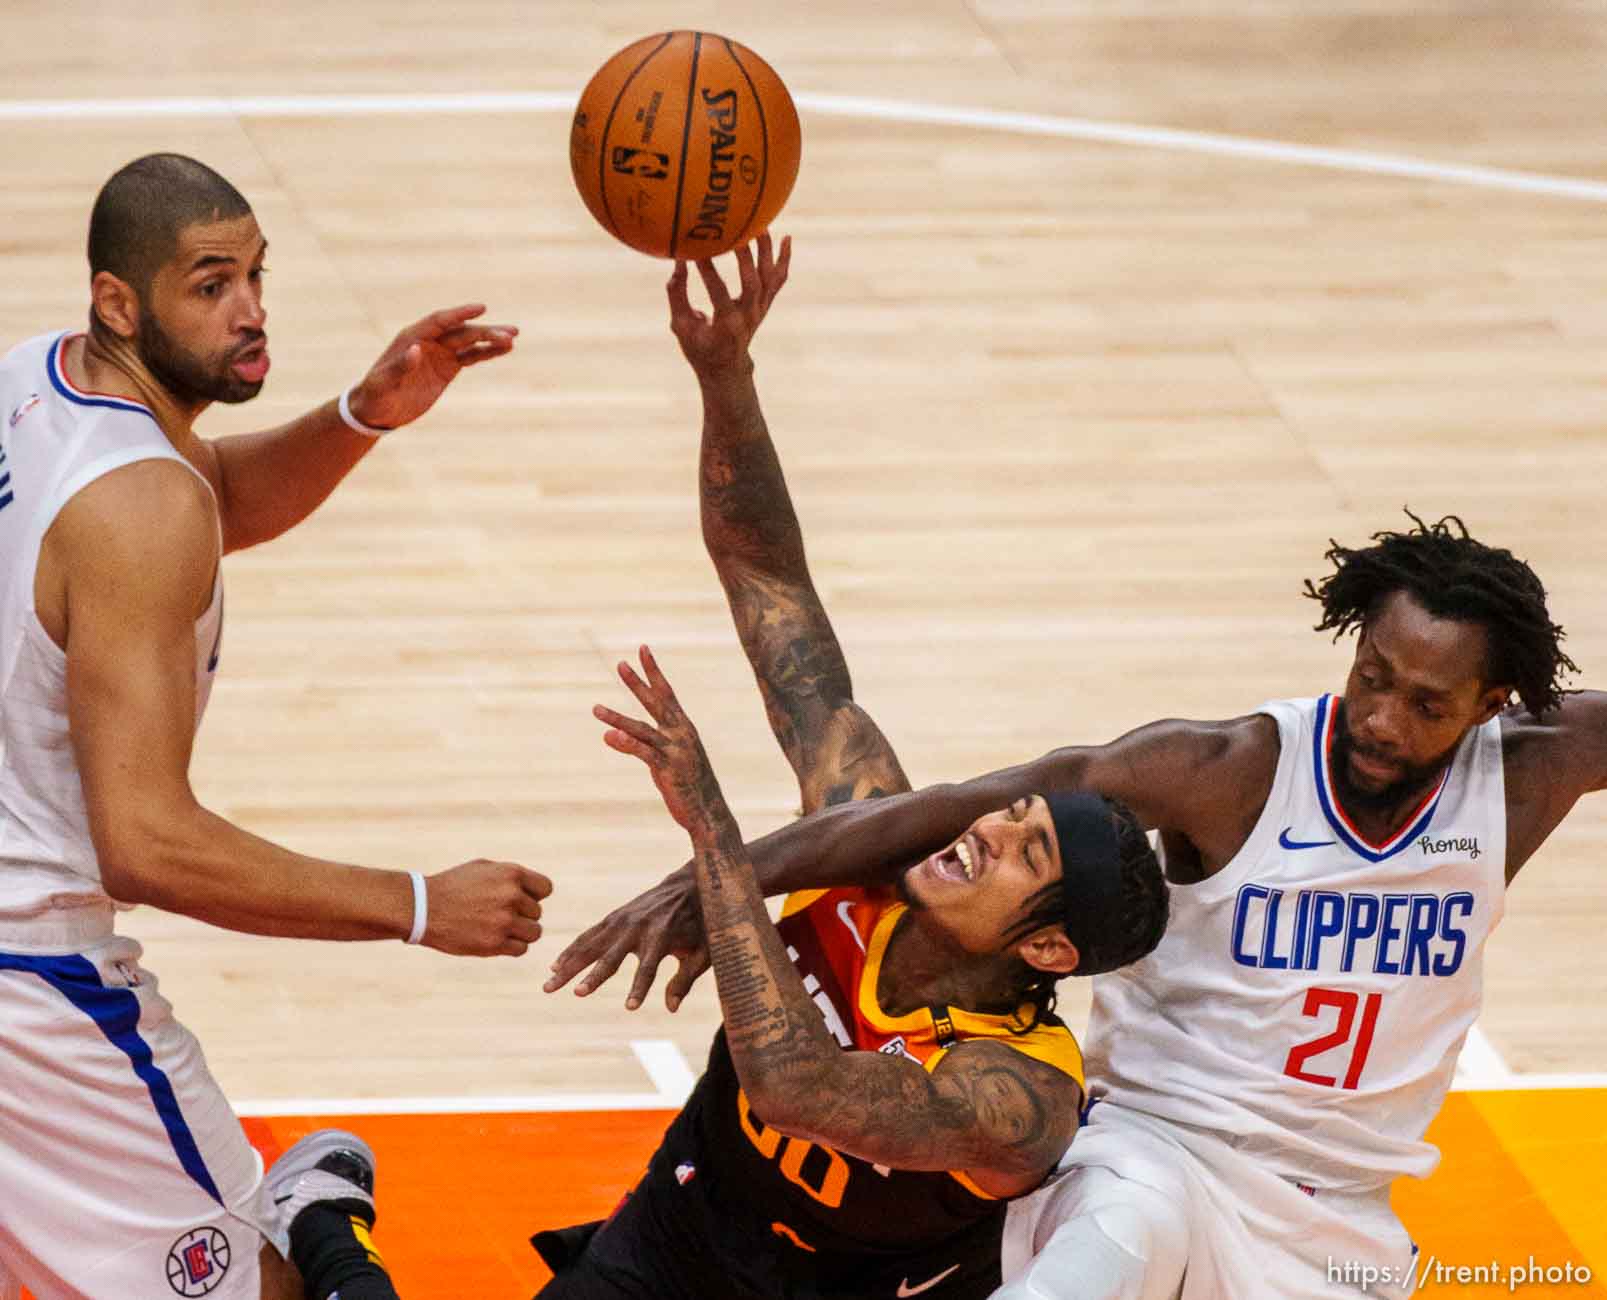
[[256, 275], [211, 288], [1430, 713]]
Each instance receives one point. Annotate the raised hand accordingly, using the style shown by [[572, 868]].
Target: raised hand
[[485, 909], [718, 343], [671, 749], [413, 372]]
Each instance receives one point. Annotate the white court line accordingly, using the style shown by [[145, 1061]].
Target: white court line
[[534, 1104], [1536, 1083], [892, 110], [1480, 1065], [541, 1103], [666, 1067]]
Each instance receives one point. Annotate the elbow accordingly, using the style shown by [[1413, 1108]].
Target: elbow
[[792, 1106], [136, 864], [122, 877]]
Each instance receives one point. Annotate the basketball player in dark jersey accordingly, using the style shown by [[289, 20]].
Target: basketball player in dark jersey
[[890, 1072]]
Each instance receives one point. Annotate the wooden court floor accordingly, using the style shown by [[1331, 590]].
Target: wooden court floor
[[1105, 317]]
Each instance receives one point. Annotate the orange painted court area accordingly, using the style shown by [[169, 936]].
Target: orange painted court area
[[1521, 1181], [1521, 1185]]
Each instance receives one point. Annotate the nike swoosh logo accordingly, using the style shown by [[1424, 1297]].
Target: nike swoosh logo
[[1286, 843], [848, 922], [905, 1289]]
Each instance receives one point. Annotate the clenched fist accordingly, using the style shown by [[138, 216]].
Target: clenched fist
[[484, 909]]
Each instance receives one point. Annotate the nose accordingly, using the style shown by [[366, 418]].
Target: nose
[[253, 315], [989, 832], [1381, 726]]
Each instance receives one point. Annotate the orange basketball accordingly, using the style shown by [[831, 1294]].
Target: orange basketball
[[685, 144]]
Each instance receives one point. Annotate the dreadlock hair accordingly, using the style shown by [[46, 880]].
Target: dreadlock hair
[[139, 213], [1131, 933], [1453, 576]]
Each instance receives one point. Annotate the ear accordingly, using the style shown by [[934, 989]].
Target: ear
[[1491, 702], [1049, 950], [115, 304]]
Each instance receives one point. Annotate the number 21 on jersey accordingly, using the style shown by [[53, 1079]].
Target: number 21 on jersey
[[1346, 1030]]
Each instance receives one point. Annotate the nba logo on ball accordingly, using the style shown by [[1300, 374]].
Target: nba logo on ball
[[685, 145], [197, 1262]]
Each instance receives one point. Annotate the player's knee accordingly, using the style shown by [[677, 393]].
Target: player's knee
[[1131, 1246]]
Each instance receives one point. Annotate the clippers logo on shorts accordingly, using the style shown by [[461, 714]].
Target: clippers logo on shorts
[[197, 1262]]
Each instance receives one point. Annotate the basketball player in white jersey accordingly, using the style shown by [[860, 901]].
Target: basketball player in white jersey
[[1336, 864], [124, 1171]]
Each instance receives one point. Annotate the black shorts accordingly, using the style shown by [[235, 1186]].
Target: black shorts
[[677, 1236]]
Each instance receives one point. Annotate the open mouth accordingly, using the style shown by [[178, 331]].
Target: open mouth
[[252, 364], [957, 862]]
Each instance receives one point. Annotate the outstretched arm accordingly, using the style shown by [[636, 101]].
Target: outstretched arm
[[138, 552], [837, 752], [1202, 783], [752, 534], [987, 1109], [268, 482]]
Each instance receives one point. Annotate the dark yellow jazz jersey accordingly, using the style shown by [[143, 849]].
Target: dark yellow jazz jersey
[[730, 1207]]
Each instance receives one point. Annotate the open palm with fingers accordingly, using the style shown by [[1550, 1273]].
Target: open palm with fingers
[[716, 342], [670, 747], [413, 372]]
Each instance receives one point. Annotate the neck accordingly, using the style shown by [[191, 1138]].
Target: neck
[[103, 362], [922, 967]]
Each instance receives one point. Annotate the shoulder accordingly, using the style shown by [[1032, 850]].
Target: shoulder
[[147, 513], [29, 352], [1548, 763], [1576, 728]]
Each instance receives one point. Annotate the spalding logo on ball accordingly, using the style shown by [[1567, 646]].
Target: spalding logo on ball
[[685, 145]]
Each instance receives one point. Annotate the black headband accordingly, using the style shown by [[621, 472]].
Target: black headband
[[1090, 862]]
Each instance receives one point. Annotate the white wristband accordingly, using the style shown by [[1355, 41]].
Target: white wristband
[[351, 421], [421, 908]]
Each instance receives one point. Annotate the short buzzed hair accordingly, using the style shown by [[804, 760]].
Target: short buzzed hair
[[140, 212]]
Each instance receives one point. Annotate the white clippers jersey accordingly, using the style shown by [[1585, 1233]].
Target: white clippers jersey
[[1308, 1001], [54, 441]]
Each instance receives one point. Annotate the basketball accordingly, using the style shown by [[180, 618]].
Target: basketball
[[685, 144]]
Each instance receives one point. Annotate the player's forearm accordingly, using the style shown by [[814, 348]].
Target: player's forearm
[[274, 479], [198, 864], [874, 841], [776, 1035], [749, 524]]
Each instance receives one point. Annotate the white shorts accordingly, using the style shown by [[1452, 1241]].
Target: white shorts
[[1216, 1224], [123, 1170]]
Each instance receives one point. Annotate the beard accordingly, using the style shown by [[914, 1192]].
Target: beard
[[193, 380], [1413, 778]]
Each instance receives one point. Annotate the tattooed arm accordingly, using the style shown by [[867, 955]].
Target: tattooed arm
[[836, 751], [988, 1110], [751, 531]]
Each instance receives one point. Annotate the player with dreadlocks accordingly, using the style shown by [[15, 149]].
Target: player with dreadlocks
[[1337, 864]]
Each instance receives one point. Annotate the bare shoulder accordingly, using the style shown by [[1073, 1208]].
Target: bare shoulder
[[149, 525], [1549, 763]]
